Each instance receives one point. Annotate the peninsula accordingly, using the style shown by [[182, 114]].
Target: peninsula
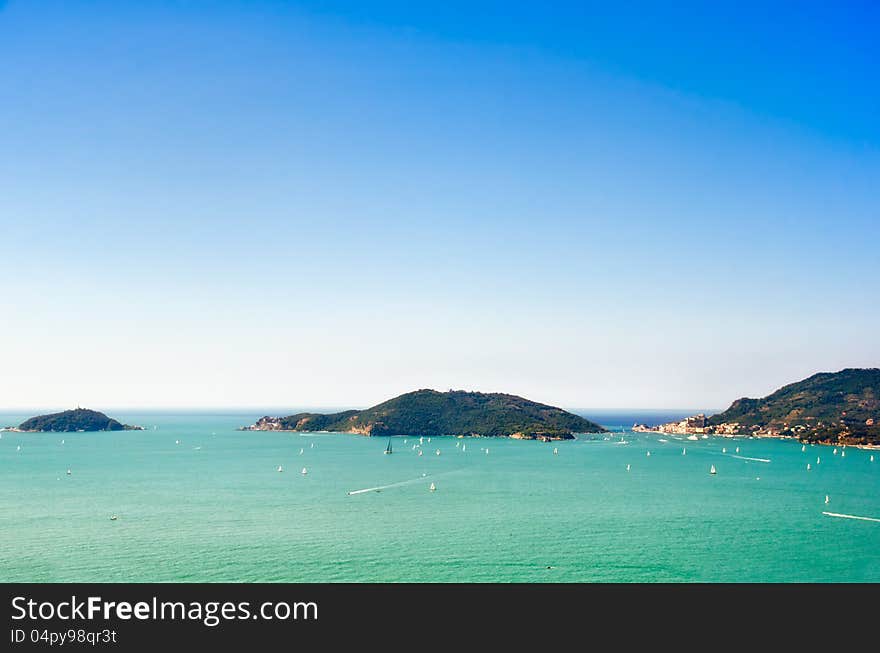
[[79, 419], [432, 413], [829, 408]]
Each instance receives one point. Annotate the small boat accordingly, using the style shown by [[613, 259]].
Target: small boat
[[662, 440], [827, 500], [433, 488], [304, 471], [280, 468], [388, 449], [705, 437], [113, 517], [712, 470], [555, 451], [627, 467], [693, 437]]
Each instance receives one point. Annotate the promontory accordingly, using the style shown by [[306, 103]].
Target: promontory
[[78, 419], [433, 413]]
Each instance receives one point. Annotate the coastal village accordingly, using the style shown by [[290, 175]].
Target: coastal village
[[699, 425]]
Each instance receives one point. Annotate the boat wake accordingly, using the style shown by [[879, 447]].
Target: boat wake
[[401, 483], [842, 516], [757, 460]]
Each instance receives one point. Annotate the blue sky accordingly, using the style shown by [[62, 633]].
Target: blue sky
[[329, 203]]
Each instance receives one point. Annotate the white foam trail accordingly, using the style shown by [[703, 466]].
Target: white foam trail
[[837, 514], [412, 480], [757, 460]]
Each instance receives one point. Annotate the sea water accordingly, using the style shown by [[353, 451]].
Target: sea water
[[215, 508]]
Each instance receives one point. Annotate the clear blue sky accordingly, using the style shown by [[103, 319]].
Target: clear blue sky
[[329, 203]]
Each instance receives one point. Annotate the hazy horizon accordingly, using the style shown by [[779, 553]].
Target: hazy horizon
[[272, 203]]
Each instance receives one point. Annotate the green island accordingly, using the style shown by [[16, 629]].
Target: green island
[[829, 407], [433, 413], [78, 419]]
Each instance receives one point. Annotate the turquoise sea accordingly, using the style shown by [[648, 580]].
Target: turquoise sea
[[215, 508]]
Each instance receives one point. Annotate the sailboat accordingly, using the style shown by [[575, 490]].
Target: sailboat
[[835, 451], [872, 458], [304, 471], [648, 455], [555, 451], [737, 450], [808, 467], [433, 487], [420, 452], [818, 460], [69, 472], [712, 470], [301, 452], [464, 448], [627, 467], [388, 448], [684, 452], [843, 454], [827, 500], [177, 442], [804, 448], [280, 468], [62, 442], [723, 449], [437, 452]]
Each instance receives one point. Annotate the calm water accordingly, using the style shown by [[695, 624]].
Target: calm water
[[214, 508]]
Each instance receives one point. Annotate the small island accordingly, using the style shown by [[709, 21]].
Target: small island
[[827, 408], [78, 419], [433, 413]]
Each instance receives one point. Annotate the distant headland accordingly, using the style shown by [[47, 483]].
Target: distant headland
[[429, 412], [828, 408], [78, 419]]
